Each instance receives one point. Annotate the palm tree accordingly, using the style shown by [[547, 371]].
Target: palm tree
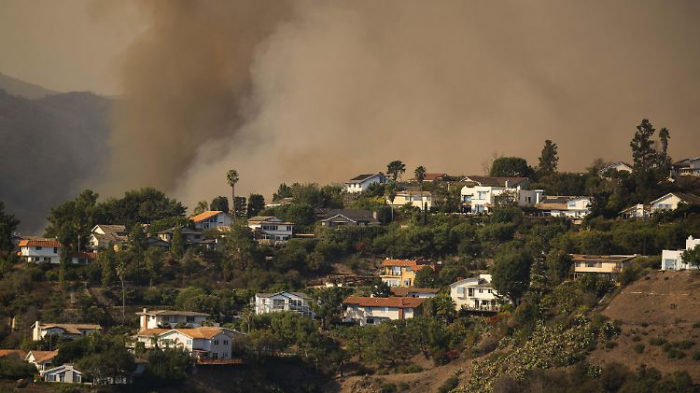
[[419, 174], [202, 206], [232, 179], [395, 169]]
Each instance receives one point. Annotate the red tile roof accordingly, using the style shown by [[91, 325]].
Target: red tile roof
[[396, 302], [39, 243], [416, 265], [203, 216]]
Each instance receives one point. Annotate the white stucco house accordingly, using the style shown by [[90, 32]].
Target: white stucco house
[[475, 294], [672, 200], [374, 310], [41, 359], [205, 344], [213, 219], [639, 211], [271, 229], [64, 330], [297, 302], [360, 183], [687, 167], [673, 259], [572, 207], [347, 217], [423, 200], [161, 319], [66, 373], [102, 235], [482, 193], [40, 250]]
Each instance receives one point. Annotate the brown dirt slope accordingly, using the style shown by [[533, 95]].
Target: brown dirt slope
[[661, 305]]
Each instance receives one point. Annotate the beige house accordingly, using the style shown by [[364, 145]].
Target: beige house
[[41, 359], [102, 235], [65, 330], [155, 319], [374, 310], [606, 266], [205, 344], [422, 200]]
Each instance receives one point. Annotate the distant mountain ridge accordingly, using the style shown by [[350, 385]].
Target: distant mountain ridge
[[24, 89], [50, 147]]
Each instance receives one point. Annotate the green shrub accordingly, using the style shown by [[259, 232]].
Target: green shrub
[[667, 347], [645, 324], [636, 338], [610, 344], [685, 344], [450, 384], [409, 369], [696, 356], [696, 325], [657, 341], [388, 388], [673, 353], [639, 348]]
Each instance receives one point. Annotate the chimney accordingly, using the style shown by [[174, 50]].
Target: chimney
[[507, 183], [144, 319], [374, 215]]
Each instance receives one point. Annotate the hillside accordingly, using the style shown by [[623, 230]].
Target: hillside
[[50, 147], [24, 89], [662, 305]]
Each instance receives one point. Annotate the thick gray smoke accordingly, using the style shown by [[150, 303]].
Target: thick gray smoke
[[317, 91]]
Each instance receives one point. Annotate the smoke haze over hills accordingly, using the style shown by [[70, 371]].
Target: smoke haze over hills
[[316, 91]]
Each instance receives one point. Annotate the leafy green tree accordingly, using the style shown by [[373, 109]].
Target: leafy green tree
[[108, 262], [167, 367], [70, 223], [8, 225], [441, 308], [239, 207], [232, 178], [559, 266], [146, 206], [256, 204], [327, 305], [425, 278], [177, 244], [692, 256], [510, 167], [664, 159], [283, 191], [549, 158], [202, 206], [219, 203], [121, 273], [395, 169], [153, 263], [511, 273]]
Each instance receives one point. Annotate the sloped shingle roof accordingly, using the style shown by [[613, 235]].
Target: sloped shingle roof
[[395, 302]]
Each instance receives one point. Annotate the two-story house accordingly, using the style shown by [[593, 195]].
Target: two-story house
[[271, 229], [360, 183], [402, 272], [572, 207], [213, 219], [40, 250], [162, 319], [687, 167], [102, 235], [296, 302], [374, 310], [64, 330], [203, 343], [481, 194], [618, 166], [672, 200], [673, 259], [475, 294], [42, 360], [423, 200], [606, 266]]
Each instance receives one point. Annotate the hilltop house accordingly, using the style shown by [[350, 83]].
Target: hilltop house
[[40, 250], [41, 359], [617, 166], [213, 219], [639, 211], [374, 310], [347, 217], [203, 343], [66, 373], [432, 177], [673, 259], [672, 200], [83, 258], [64, 330], [573, 207], [482, 193], [297, 302], [687, 167], [606, 266], [101, 236], [272, 229], [190, 237], [402, 272], [475, 294], [423, 200], [360, 183], [159, 319]]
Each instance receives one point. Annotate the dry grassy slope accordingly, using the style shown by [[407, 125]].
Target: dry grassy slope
[[663, 304]]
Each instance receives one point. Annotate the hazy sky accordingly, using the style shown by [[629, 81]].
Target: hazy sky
[[67, 45]]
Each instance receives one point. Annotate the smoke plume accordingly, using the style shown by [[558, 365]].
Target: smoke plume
[[314, 90]]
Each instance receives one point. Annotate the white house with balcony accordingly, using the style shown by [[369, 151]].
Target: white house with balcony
[[374, 310], [475, 294], [423, 200], [687, 167], [297, 302], [482, 193], [162, 319], [672, 200], [360, 183], [65, 373], [572, 207], [64, 330], [604, 266], [213, 219], [204, 343], [673, 259], [272, 229], [40, 250]]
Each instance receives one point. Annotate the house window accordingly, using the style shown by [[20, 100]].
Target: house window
[[471, 291], [225, 342], [460, 290], [215, 355], [224, 355], [189, 342], [216, 342], [370, 321], [481, 290], [55, 250], [490, 290], [38, 248], [190, 319]]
